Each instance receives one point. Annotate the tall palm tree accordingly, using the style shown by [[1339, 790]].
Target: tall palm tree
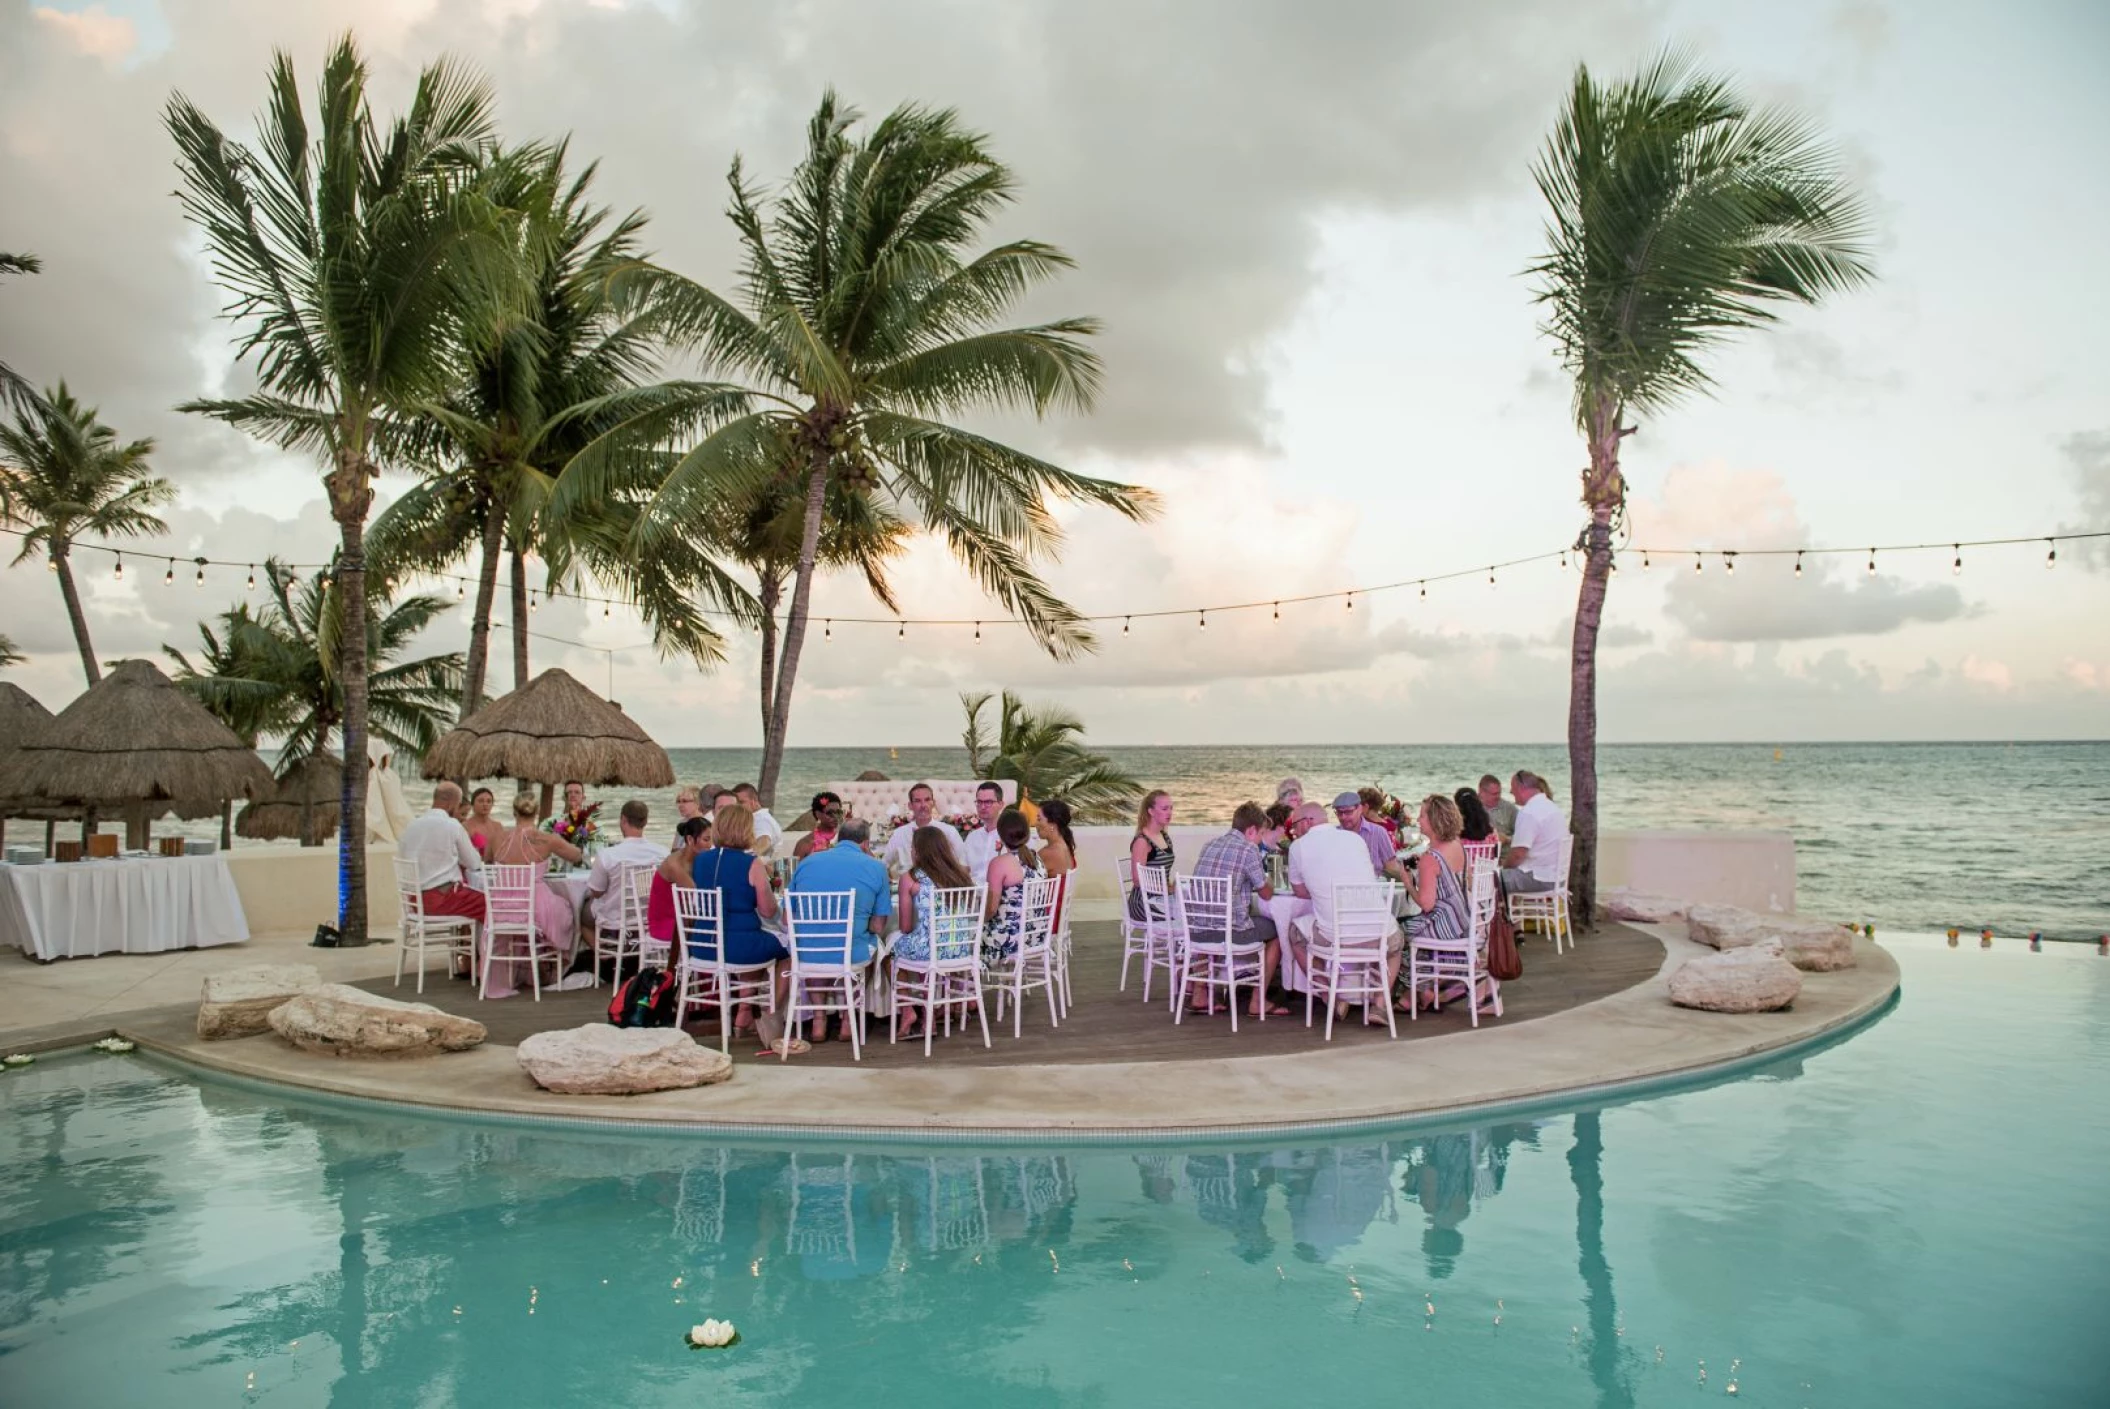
[[1678, 215], [1043, 749], [13, 388], [275, 671], [348, 253], [864, 319], [63, 474], [533, 383]]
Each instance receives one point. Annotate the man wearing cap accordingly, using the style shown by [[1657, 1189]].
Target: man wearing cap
[[1348, 810]]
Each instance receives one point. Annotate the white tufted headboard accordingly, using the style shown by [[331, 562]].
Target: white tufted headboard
[[881, 802]]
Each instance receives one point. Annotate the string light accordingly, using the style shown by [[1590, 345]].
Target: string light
[[604, 611], [1490, 575], [51, 564], [120, 574], [1278, 611], [201, 572], [978, 631], [1424, 591], [828, 630], [1871, 562], [1644, 560], [2051, 558], [168, 579], [902, 634], [1956, 568], [461, 590], [1729, 563], [1699, 563], [1124, 626], [252, 577], [1205, 620], [1798, 562], [1564, 560], [534, 605], [1351, 601]]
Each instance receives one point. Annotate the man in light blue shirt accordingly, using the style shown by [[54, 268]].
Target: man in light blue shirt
[[848, 866]]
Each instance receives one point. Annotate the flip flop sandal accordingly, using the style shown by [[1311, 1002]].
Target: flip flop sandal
[[798, 1045]]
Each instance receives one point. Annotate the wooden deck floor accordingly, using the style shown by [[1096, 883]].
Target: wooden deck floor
[[1107, 1025]]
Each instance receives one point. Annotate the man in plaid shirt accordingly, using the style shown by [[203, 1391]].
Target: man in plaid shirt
[[1236, 856]]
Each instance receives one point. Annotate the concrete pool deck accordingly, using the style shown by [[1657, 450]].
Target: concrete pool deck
[[1630, 1036]]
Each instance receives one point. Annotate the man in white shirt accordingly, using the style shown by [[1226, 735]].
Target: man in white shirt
[[450, 874], [981, 845], [604, 884], [768, 831], [1533, 860], [922, 812], [1325, 857]]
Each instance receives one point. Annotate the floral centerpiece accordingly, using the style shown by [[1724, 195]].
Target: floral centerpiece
[[578, 827], [966, 822]]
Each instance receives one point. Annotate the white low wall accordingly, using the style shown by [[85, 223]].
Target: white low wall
[[287, 891]]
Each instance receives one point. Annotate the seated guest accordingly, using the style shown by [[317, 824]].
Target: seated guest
[[1533, 860], [769, 834], [1151, 845], [922, 812], [1474, 823], [450, 873], [1325, 857], [821, 820], [1384, 856], [575, 820], [980, 846], [480, 824], [1374, 800], [848, 865], [745, 900], [688, 803], [1439, 876], [1290, 793], [604, 889], [1015, 864], [1275, 836], [933, 866], [692, 837], [1058, 844], [556, 919], [1235, 856], [709, 796], [1502, 814]]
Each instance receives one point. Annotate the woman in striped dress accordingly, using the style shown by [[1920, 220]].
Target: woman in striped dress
[[1439, 880]]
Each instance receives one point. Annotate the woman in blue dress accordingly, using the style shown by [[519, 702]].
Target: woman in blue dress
[[745, 900]]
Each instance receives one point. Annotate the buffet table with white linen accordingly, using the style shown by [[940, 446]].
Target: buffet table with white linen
[[136, 905]]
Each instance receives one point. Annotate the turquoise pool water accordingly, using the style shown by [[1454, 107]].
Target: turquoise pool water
[[1914, 1216]]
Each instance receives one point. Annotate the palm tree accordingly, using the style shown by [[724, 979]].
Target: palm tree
[[9, 655], [1043, 749], [530, 389], [1678, 215], [276, 671], [348, 255], [66, 474], [863, 320], [12, 387]]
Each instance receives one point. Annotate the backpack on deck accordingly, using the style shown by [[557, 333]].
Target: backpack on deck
[[646, 999]]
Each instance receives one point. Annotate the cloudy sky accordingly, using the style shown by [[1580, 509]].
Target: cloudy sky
[[1303, 226]]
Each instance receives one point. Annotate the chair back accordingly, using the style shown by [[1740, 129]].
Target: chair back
[[1362, 916], [1036, 913], [509, 898], [1125, 875], [819, 924], [1478, 851], [635, 881], [956, 926], [407, 890], [1480, 898], [1206, 902], [1567, 854], [1157, 886], [699, 921]]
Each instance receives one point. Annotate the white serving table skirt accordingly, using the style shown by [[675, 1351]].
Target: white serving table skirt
[[139, 905]]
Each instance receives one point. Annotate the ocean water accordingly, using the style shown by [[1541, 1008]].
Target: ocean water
[[1902, 1217], [1903, 836]]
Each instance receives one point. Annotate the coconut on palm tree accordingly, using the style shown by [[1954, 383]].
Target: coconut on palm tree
[[348, 251], [275, 671], [529, 389], [1678, 214], [865, 325], [1042, 749], [64, 474]]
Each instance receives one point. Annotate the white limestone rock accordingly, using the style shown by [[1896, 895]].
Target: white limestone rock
[[1754, 978], [600, 1060], [1815, 946], [238, 1003], [350, 1022], [1641, 907]]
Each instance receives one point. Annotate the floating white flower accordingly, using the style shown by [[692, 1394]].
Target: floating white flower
[[115, 1045], [17, 1059], [712, 1335]]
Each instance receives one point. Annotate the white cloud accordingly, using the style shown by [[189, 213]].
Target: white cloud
[[93, 31]]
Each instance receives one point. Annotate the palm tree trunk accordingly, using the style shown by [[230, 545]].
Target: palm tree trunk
[[770, 593], [351, 495], [479, 661], [1586, 1172], [64, 562], [520, 616], [779, 722], [1603, 491]]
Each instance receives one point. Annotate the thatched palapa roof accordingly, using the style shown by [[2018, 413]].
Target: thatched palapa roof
[[551, 730], [22, 717], [313, 784], [134, 737]]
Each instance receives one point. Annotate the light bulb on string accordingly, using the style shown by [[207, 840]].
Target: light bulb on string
[[1699, 564], [1124, 626], [1490, 577], [168, 579], [978, 631], [461, 590], [51, 564], [2051, 558], [604, 611], [828, 630], [1278, 611], [201, 572], [902, 633], [534, 603], [1871, 562], [1729, 563], [1644, 560], [1564, 560], [1798, 562], [1956, 568], [120, 574], [252, 577], [1204, 620], [1424, 590], [1351, 601]]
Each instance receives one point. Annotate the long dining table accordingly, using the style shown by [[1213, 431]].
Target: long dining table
[[132, 905]]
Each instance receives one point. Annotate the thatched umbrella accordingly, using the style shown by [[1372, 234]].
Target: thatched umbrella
[[136, 742], [23, 716], [304, 805], [551, 730]]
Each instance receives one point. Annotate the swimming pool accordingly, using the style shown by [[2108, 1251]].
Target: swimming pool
[[1910, 1216]]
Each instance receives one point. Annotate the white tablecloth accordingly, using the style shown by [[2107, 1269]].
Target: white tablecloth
[[137, 906]]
